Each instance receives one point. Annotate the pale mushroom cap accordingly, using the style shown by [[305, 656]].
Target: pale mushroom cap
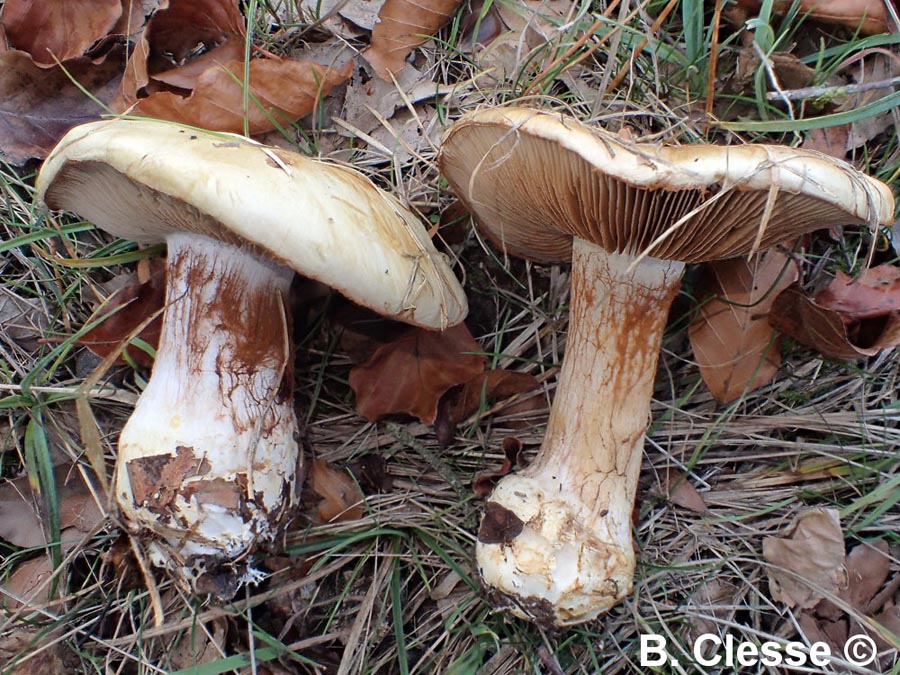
[[143, 180], [533, 180]]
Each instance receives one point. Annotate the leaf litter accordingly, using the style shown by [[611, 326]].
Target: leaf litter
[[733, 342], [846, 320]]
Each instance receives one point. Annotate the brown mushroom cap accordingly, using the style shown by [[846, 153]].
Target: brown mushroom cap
[[533, 180]]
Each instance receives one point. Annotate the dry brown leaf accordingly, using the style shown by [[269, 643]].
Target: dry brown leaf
[[411, 374], [20, 518], [127, 309], [24, 582], [20, 653], [519, 36], [200, 646], [732, 340], [186, 76], [710, 604], [788, 69], [830, 140], [371, 474], [490, 385], [808, 562], [408, 135], [347, 19], [403, 25], [876, 67], [132, 27], [889, 618], [368, 101], [876, 292], [38, 105], [485, 481], [681, 492], [337, 496], [23, 319], [795, 314], [184, 24], [460, 402], [869, 16], [58, 30], [868, 566], [285, 90], [832, 633]]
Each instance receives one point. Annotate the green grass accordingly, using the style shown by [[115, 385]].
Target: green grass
[[397, 591]]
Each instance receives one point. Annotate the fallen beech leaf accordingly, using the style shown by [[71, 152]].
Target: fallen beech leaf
[[876, 67], [681, 492], [869, 16], [732, 340], [284, 89], [479, 27], [184, 24], [196, 648], [20, 518], [135, 15], [710, 604], [371, 474], [128, 308], [832, 633], [132, 27], [889, 619], [796, 315], [32, 651], [830, 140], [875, 293], [411, 373], [868, 566], [23, 319], [789, 70], [525, 33], [368, 102], [490, 385], [38, 105], [460, 402], [52, 30], [338, 497], [809, 561], [403, 25], [24, 581], [186, 76], [346, 19], [485, 481]]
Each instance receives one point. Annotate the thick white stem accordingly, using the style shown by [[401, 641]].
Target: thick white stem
[[556, 538], [208, 461]]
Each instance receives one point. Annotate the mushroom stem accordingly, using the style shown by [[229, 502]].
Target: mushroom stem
[[208, 461], [556, 538]]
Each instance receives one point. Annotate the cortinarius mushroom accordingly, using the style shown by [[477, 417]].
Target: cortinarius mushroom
[[555, 539], [208, 462]]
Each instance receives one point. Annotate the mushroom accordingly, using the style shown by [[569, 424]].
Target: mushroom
[[555, 539], [208, 463]]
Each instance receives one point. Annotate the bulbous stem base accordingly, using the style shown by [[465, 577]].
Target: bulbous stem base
[[555, 540], [208, 461]]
